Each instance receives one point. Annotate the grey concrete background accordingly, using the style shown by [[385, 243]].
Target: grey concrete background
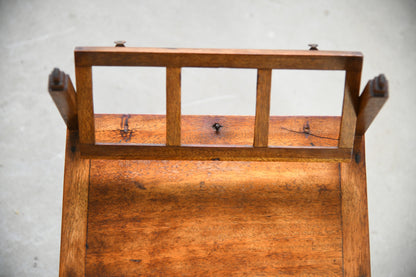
[[37, 36]]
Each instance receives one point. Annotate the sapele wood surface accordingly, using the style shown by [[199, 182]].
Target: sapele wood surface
[[230, 139], [74, 209], [175, 59]]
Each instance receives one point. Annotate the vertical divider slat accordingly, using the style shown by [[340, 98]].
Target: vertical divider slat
[[173, 106], [349, 109], [85, 104], [261, 127]]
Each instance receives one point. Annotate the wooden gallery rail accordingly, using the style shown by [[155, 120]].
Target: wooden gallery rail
[[174, 59], [132, 208]]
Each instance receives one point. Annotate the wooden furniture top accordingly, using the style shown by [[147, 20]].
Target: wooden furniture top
[[178, 195]]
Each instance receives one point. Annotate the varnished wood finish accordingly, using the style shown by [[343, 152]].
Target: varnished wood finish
[[261, 126], [181, 218], [173, 106], [217, 218], [372, 100], [349, 109], [231, 58], [356, 244], [263, 60], [85, 104], [74, 210], [63, 94], [190, 150], [149, 211], [220, 153], [320, 131]]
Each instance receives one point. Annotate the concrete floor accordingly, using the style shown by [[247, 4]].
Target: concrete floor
[[37, 36]]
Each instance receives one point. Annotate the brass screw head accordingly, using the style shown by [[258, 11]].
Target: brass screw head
[[120, 43], [313, 46]]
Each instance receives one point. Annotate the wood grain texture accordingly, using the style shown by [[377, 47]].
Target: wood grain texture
[[74, 210], [235, 130], [120, 151], [349, 109], [174, 59], [193, 218], [85, 105], [375, 94], [261, 125], [321, 131], [232, 58], [63, 94], [179, 218], [173, 106], [356, 243]]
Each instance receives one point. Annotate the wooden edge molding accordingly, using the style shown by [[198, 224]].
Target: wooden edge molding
[[232, 58], [214, 153], [74, 210]]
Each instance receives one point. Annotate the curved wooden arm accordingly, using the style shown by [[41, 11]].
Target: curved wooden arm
[[374, 96], [63, 94]]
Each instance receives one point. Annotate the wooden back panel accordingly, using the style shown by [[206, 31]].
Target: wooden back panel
[[174, 59]]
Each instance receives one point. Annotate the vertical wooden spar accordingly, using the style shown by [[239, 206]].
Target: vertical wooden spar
[[63, 94], [372, 99], [74, 209], [85, 104], [173, 106], [349, 109], [261, 127], [355, 241]]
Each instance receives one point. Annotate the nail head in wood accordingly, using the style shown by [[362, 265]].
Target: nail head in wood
[[217, 127]]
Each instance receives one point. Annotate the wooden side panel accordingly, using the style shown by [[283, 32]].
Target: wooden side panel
[[85, 105], [349, 109], [173, 106], [356, 244], [261, 126], [74, 210], [178, 218]]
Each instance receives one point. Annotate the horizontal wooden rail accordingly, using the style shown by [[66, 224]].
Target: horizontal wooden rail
[[214, 153], [231, 58]]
